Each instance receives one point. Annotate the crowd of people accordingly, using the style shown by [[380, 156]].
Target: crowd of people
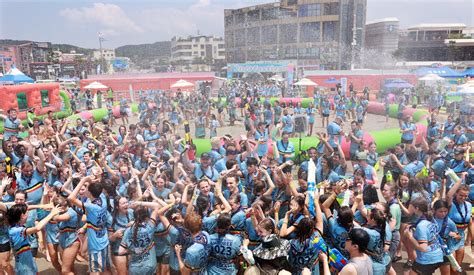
[[147, 200]]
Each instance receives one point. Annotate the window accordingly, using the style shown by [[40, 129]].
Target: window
[[288, 33], [229, 20], [269, 14], [310, 32], [22, 102], [240, 18], [253, 16], [239, 38], [331, 8], [329, 31], [269, 35], [44, 98], [202, 46], [287, 13], [309, 10], [253, 36]]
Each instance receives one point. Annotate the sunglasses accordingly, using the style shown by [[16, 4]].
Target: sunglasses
[[232, 152]]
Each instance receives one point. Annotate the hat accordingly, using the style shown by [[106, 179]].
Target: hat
[[458, 151], [361, 156], [205, 156]]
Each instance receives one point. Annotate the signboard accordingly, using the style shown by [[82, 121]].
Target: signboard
[[344, 85], [258, 67]]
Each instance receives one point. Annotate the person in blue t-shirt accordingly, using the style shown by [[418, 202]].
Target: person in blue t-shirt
[[138, 242], [96, 213], [325, 110], [224, 248], [335, 132], [447, 228], [408, 130], [18, 235], [423, 235]]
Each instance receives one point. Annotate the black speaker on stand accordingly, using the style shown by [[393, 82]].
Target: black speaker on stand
[[301, 124]]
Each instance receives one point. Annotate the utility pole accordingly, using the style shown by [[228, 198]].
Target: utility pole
[[354, 37], [101, 39]]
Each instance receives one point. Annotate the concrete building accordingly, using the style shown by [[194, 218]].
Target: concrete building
[[107, 54], [198, 49], [382, 35], [319, 34], [427, 42]]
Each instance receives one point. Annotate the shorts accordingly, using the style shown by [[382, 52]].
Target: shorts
[[325, 115], [99, 261], [400, 115], [163, 259], [425, 268], [5, 247]]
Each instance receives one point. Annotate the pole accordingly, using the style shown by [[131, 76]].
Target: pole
[[101, 53], [354, 41]]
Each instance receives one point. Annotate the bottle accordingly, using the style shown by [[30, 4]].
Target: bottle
[[247, 254], [452, 175], [389, 176], [447, 252]]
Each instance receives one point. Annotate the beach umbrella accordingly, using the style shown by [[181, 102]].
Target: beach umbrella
[[398, 84], [95, 86], [306, 82], [182, 84], [277, 77]]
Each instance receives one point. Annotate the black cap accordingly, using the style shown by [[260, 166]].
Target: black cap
[[458, 151], [205, 156]]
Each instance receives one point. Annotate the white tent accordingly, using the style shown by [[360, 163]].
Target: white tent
[[277, 77], [182, 84], [431, 77], [306, 82], [95, 86]]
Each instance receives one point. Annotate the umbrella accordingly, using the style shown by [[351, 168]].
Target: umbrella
[[431, 77], [15, 76], [95, 86], [306, 82], [331, 80], [277, 77], [182, 84], [399, 84]]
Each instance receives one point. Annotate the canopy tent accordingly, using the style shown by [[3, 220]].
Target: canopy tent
[[441, 71], [306, 82], [331, 80], [277, 77], [465, 91], [398, 84], [431, 77], [15, 76], [182, 84], [96, 86], [469, 72]]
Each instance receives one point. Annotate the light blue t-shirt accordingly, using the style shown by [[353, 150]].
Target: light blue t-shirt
[[427, 231]]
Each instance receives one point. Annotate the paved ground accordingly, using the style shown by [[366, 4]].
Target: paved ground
[[373, 122]]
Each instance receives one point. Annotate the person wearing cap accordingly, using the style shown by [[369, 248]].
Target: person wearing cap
[[203, 168], [370, 173], [356, 244], [334, 131]]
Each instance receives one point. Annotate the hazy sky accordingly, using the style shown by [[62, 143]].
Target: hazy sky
[[124, 22]]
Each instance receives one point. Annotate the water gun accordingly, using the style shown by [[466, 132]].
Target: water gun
[[449, 254], [187, 132], [377, 166], [311, 185], [388, 176], [423, 173], [452, 175], [336, 260], [10, 172]]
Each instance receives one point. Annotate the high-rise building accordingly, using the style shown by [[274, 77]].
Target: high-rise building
[[198, 49], [321, 34]]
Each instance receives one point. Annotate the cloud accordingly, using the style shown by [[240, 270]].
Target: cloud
[[110, 18]]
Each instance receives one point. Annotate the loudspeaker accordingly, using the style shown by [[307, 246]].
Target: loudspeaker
[[301, 123]]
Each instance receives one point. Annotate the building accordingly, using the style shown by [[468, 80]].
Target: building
[[431, 42], [199, 49], [8, 56], [107, 54], [381, 41], [318, 34]]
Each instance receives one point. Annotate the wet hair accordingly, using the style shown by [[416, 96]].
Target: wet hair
[[223, 224], [305, 229], [345, 217], [268, 225], [422, 204], [140, 216], [202, 205], [235, 198], [440, 204], [411, 153], [14, 213], [193, 222], [359, 237], [370, 194], [95, 189], [379, 218], [251, 161], [329, 161], [18, 191], [170, 213]]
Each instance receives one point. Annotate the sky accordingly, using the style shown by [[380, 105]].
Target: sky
[[123, 22]]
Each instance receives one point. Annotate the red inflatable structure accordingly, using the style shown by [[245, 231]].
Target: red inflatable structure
[[42, 97]]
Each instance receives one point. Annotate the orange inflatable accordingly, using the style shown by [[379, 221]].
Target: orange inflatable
[[43, 97]]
